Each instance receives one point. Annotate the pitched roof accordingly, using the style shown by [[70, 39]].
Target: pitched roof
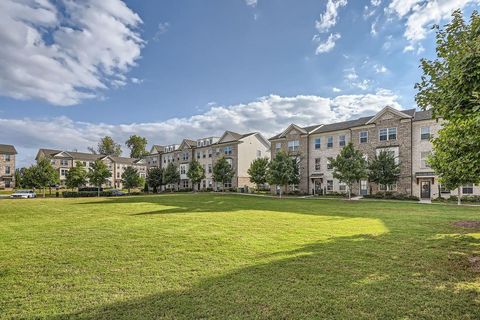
[[84, 156], [123, 160], [157, 148], [423, 115], [7, 149]]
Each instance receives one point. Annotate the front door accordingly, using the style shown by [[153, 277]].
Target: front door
[[425, 190], [363, 188], [318, 187]]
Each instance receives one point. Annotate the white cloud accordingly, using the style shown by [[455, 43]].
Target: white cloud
[[269, 115], [251, 3], [375, 3], [327, 45], [380, 68], [328, 19], [363, 84], [163, 28], [335, 89], [421, 14], [373, 30], [350, 74], [136, 80], [65, 55]]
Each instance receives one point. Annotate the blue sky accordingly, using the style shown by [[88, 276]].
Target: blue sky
[[177, 68]]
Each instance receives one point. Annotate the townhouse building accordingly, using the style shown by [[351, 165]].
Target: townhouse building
[[238, 149], [63, 161], [406, 134], [7, 166], [154, 157]]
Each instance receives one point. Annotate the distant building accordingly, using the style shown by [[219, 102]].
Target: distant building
[[64, 160], [7, 166]]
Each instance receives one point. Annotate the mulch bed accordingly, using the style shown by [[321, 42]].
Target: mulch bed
[[467, 224]]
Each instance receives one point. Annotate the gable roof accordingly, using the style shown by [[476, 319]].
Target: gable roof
[[344, 125], [304, 130], [402, 114], [156, 149], [423, 115], [7, 149]]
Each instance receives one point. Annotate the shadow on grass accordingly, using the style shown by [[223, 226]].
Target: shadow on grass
[[347, 278]]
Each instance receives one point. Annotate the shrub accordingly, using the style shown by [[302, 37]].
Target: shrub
[[392, 196], [86, 194]]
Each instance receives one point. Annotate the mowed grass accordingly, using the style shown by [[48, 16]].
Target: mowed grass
[[194, 256]]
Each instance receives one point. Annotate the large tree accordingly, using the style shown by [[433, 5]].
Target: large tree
[[349, 167], [99, 174], [450, 87], [383, 169], [196, 173], [137, 146], [258, 171], [281, 171], [76, 176], [155, 178], [131, 178], [44, 174], [223, 172], [107, 146], [171, 175]]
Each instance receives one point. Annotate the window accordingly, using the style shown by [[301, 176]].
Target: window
[[64, 162], [185, 156], [341, 141], [278, 146], [317, 164], [52, 161], [204, 184], [198, 154], [230, 162], [293, 145], [330, 142], [228, 150], [329, 185], [7, 158], [118, 175], [363, 136], [318, 143], [204, 154], [342, 186], [443, 189], [228, 184], [259, 153], [467, 189], [209, 168], [388, 134], [218, 151], [63, 172], [210, 152], [185, 184], [329, 164], [7, 169], [425, 133], [390, 187], [182, 170], [423, 159]]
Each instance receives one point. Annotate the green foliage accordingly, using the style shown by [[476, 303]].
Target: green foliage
[[137, 146], [383, 169], [450, 87], [99, 174], [131, 179], [391, 196], [76, 176], [171, 175], [258, 171], [223, 172], [349, 166], [87, 194], [196, 173], [283, 170], [155, 178], [43, 174], [107, 146]]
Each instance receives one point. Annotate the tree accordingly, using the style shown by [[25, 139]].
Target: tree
[[99, 174], [349, 167], [171, 175], [281, 170], [196, 173], [18, 178], [452, 159], [44, 175], [450, 87], [155, 178], [383, 169], [137, 146], [131, 178], [223, 172], [258, 171], [107, 146], [76, 176]]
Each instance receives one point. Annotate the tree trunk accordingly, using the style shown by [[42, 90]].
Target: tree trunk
[[459, 200], [98, 191], [128, 190], [44, 192], [280, 193], [349, 192]]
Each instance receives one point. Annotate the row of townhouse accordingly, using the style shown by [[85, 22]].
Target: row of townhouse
[[406, 134], [63, 161], [7, 166], [239, 150]]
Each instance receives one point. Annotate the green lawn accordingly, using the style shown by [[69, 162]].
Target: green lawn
[[196, 256]]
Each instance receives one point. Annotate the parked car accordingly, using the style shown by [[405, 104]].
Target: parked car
[[117, 193], [24, 194]]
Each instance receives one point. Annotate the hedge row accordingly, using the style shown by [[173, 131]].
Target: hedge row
[[86, 194], [392, 196], [465, 199]]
